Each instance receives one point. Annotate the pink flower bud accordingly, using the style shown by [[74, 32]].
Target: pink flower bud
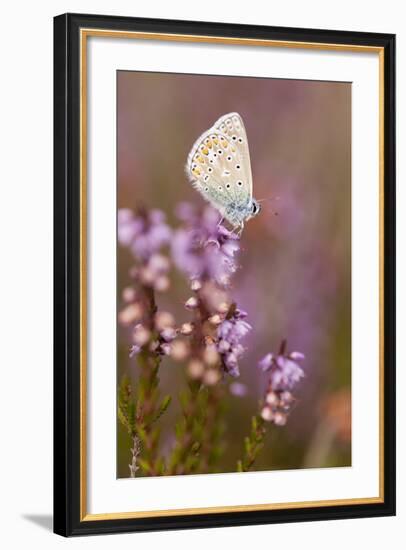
[[192, 303], [162, 283], [141, 335], [166, 349], [158, 263], [168, 334], [164, 319], [179, 350], [195, 368], [280, 419], [129, 294], [215, 319], [130, 314], [272, 399], [296, 355], [147, 276], [211, 377], [196, 285], [223, 307], [210, 355], [267, 414], [186, 329], [286, 397]]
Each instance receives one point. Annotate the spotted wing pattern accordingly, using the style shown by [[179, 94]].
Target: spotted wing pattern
[[219, 168]]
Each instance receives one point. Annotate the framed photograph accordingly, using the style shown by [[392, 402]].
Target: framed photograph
[[224, 274]]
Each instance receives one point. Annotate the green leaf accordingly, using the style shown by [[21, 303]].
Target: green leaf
[[163, 406], [122, 418], [144, 465]]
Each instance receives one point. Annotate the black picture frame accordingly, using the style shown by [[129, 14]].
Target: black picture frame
[[67, 353]]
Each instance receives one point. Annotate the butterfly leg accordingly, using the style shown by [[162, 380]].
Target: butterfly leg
[[221, 221]]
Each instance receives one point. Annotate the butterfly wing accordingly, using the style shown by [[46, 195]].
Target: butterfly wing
[[232, 126], [219, 167]]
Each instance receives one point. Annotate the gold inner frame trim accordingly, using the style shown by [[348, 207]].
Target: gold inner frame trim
[[173, 37]]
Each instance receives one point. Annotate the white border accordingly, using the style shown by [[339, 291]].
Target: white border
[[105, 493]]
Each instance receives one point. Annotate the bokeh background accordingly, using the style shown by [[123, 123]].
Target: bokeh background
[[295, 276]]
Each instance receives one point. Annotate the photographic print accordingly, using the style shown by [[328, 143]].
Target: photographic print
[[233, 274]]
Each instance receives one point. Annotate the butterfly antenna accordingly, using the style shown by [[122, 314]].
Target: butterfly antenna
[[268, 199], [275, 213]]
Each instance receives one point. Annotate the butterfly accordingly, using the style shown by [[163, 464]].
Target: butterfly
[[219, 167]]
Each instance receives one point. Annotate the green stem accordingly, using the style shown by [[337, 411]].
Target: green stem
[[147, 395], [253, 444], [211, 448], [184, 457]]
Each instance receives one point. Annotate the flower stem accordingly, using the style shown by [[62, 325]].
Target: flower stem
[[184, 457], [135, 451], [253, 444], [211, 449]]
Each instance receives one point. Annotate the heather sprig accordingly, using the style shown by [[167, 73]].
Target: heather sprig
[[284, 372], [144, 235], [210, 344], [253, 444]]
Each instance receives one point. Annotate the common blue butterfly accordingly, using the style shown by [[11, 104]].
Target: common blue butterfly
[[219, 167]]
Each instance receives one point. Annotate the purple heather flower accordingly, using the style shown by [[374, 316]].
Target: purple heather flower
[[238, 389], [186, 212], [128, 226], [204, 249], [230, 333], [145, 234], [284, 373], [168, 334], [165, 349], [266, 362]]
